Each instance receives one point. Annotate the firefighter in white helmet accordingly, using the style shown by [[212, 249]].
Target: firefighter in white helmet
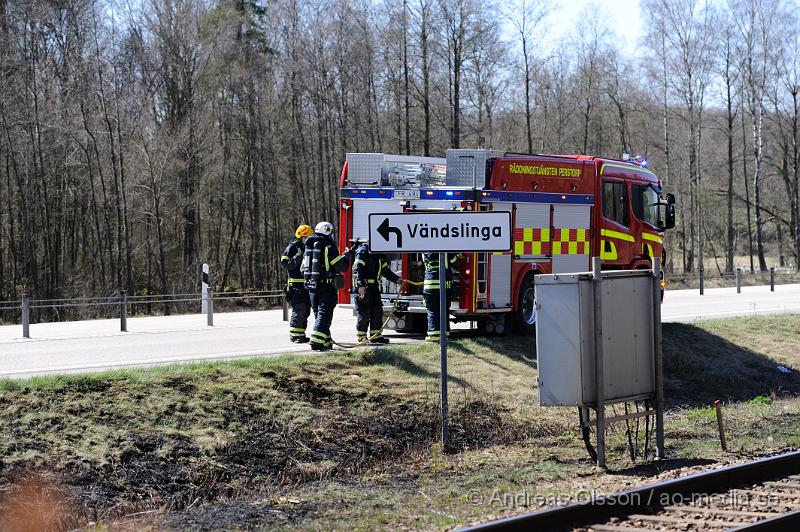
[[321, 263]]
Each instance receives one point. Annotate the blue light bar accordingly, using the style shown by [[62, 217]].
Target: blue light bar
[[535, 197]]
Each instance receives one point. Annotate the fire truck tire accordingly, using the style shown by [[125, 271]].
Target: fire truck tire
[[525, 315], [495, 326]]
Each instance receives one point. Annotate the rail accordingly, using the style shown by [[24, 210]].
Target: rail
[[124, 301], [658, 500]]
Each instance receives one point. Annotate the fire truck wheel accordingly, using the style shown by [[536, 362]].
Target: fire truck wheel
[[495, 325], [525, 315]]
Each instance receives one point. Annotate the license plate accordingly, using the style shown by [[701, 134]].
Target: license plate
[[406, 193]]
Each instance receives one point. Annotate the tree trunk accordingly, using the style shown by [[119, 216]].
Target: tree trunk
[[747, 194]]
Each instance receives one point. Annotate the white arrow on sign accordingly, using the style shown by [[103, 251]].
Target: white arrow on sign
[[440, 231]]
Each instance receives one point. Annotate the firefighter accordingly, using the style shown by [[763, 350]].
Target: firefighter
[[430, 290], [321, 263], [368, 269], [296, 291]]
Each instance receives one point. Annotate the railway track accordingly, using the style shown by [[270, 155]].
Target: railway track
[[759, 495]]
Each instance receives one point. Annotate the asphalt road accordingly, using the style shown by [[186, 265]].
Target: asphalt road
[[71, 347]]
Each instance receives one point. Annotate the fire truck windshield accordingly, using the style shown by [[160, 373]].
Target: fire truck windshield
[[647, 204]]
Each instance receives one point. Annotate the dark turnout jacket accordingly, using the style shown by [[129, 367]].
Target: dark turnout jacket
[[368, 268]]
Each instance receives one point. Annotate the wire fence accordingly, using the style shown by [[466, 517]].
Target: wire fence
[[26, 310]]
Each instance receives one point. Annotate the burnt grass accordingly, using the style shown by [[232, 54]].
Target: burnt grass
[[106, 447]]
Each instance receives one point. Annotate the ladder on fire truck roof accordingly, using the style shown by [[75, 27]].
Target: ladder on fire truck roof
[[461, 168]]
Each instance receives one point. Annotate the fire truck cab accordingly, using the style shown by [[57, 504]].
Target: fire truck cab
[[565, 209]]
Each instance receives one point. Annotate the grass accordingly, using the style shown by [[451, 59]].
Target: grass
[[351, 439]]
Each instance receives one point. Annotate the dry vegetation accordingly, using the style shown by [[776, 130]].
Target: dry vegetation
[[349, 439]]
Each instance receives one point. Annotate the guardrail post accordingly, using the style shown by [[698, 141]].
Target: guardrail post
[[772, 279], [123, 310], [205, 287], [210, 303], [738, 280], [26, 316], [702, 286]]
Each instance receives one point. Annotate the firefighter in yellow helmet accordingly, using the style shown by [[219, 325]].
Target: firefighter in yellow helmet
[[296, 292]]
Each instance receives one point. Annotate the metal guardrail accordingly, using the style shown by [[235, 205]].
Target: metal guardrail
[[738, 275], [124, 301]]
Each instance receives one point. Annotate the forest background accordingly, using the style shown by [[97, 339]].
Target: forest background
[[140, 139]]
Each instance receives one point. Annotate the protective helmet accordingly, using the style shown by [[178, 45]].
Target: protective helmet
[[303, 230], [324, 228]]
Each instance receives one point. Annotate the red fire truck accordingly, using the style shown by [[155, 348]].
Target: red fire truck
[[565, 209]]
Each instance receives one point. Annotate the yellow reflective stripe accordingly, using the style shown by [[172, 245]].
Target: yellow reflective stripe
[[334, 261], [625, 167], [370, 281], [617, 234], [327, 264], [285, 257], [292, 280], [651, 236], [647, 249], [361, 262], [608, 255]]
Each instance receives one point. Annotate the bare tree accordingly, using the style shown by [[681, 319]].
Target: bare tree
[[689, 49], [756, 22], [526, 17]]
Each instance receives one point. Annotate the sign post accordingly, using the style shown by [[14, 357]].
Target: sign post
[[440, 232], [443, 323]]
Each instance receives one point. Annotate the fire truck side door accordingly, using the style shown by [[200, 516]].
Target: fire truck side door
[[616, 241]]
